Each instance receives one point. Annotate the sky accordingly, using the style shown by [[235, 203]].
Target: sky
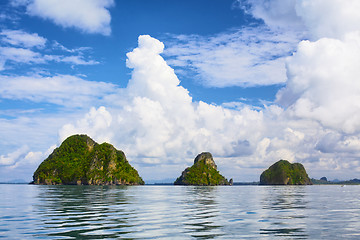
[[251, 81]]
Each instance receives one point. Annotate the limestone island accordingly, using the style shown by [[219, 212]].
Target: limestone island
[[81, 161], [285, 173], [203, 173]]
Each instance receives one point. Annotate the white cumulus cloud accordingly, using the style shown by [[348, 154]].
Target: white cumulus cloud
[[275, 13], [95, 123], [329, 18], [324, 84], [320, 18], [90, 16]]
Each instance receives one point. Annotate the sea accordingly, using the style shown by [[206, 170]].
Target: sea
[[179, 212]]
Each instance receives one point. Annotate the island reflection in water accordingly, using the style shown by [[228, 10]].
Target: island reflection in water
[[179, 212]]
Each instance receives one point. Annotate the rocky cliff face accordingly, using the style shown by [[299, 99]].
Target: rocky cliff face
[[203, 173], [285, 173], [80, 160], [207, 158]]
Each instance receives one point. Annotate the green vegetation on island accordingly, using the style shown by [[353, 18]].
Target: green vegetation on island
[[80, 160], [285, 173], [203, 173]]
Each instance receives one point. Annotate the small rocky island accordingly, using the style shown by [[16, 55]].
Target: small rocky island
[[80, 160], [203, 173], [285, 173]]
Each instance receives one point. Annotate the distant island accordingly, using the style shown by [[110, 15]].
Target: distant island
[[202, 173], [285, 173], [81, 161], [324, 181]]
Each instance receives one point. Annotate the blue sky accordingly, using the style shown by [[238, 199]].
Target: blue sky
[[129, 19], [250, 81]]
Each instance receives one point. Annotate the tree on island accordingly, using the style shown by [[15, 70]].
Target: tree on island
[[203, 173], [80, 160], [285, 173]]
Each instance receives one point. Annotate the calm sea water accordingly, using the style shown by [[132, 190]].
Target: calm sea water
[[175, 212]]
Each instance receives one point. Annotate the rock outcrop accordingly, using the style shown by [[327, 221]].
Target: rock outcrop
[[80, 160], [203, 173], [285, 173]]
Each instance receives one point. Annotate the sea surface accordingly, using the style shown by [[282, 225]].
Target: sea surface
[[179, 212]]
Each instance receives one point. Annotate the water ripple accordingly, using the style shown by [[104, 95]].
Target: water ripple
[[176, 212]]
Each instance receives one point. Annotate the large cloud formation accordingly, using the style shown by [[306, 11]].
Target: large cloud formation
[[156, 122], [156, 118], [314, 120]]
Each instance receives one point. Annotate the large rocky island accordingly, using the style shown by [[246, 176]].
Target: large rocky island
[[203, 173], [80, 160], [285, 173]]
